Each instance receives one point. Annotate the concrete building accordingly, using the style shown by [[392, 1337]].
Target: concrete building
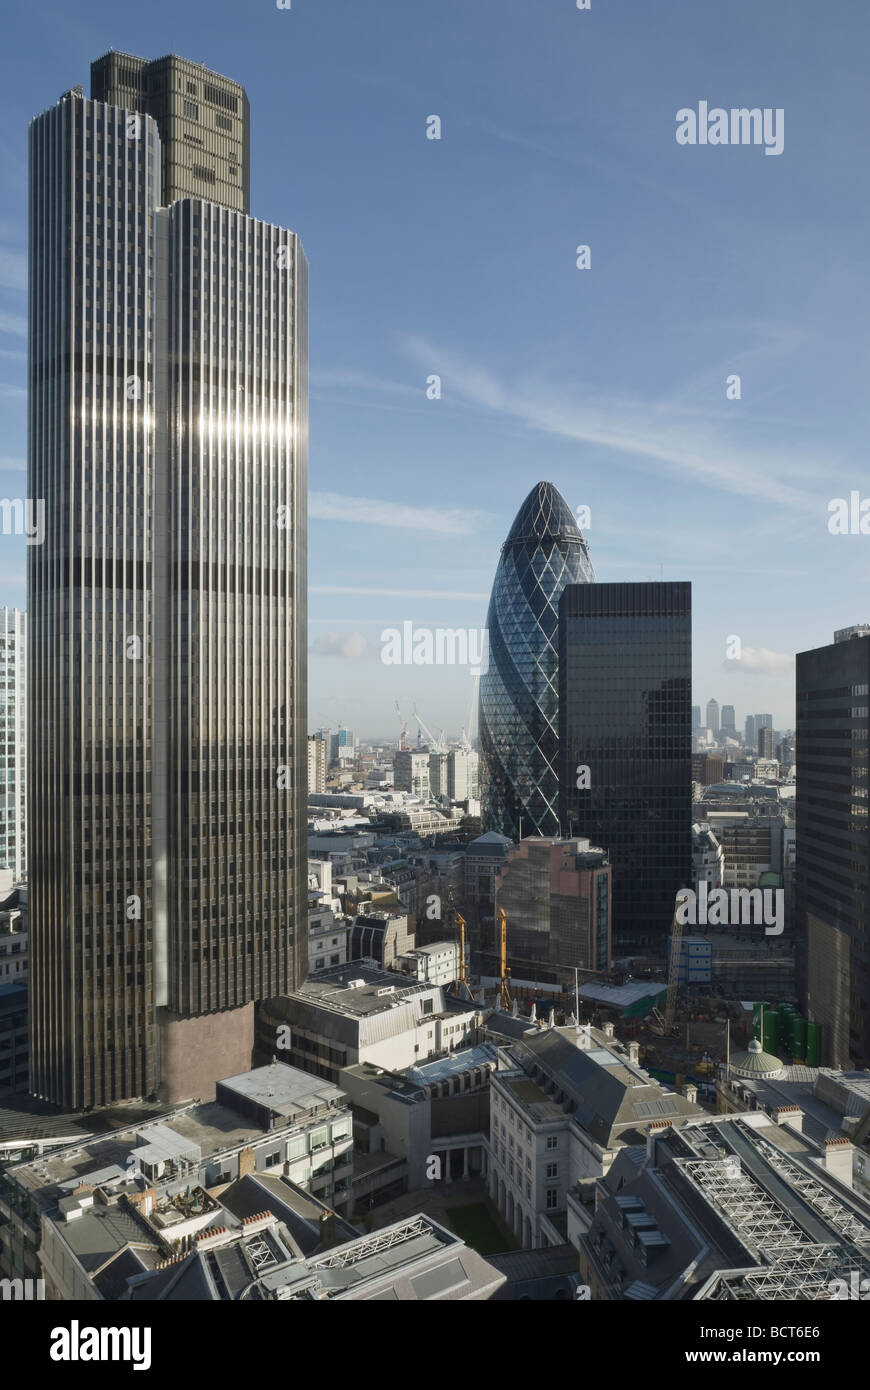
[[732, 1208], [713, 717], [169, 1173], [563, 1103], [765, 742], [707, 768], [463, 781], [13, 742], [403, 1121], [14, 1048], [728, 726], [360, 1013], [411, 773], [316, 765], [434, 964], [556, 896], [327, 939], [483, 859]]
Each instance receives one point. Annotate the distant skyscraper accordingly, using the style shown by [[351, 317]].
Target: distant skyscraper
[[316, 764], [833, 846], [713, 716], [625, 673], [750, 736], [696, 717], [763, 721], [167, 667], [728, 725], [519, 693], [765, 742], [13, 741]]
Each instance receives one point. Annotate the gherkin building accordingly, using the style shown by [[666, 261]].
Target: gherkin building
[[519, 693]]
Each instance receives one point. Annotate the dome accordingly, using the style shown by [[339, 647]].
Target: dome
[[755, 1062]]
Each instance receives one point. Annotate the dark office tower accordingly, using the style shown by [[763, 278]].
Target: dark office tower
[[728, 725], [833, 847], [696, 717], [765, 742], [750, 737], [519, 693], [625, 671], [168, 439], [203, 120]]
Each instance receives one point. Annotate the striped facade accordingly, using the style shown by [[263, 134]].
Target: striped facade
[[167, 653], [13, 741]]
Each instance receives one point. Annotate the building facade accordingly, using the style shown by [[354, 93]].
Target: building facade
[[167, 653], [625, 732], [833, 846], [316, 765], [13, 742], [556, 898], [519, 693]]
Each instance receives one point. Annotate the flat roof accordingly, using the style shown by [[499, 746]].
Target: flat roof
[[283, 1089], [454, 1064]]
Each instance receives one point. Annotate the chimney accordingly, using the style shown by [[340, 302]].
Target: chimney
[[790, 1115], [247, 1162], [634, 1052], [838, 1159], [691, 1093], [608, 1030], [655, 1131]]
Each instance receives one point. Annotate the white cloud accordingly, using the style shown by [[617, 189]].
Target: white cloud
[[335, 506], [13, 323], [760, 661], [353, 646]]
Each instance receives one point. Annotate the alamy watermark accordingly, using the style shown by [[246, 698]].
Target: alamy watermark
[[719, 907], [22, 1290], [23, 516], [442, 646], [740, 126]]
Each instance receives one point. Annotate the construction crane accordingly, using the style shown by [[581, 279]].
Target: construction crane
[[403, 724], [463, 978], [505, 994], [673, 969], [436, 745]]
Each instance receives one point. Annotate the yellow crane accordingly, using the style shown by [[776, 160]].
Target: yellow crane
[[463, 978], [505, 995], [674, 966]]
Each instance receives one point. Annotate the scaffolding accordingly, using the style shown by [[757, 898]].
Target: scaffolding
[[374, 1244]]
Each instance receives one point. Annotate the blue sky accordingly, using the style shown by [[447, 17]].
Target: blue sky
[[457, 257]]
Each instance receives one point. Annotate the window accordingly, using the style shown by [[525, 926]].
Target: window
[[552, 1170], [528, 1164], [191, 110], [552, 1198], [273, 1158], [552, 1141]]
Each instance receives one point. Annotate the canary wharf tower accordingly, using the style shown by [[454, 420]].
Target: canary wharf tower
[[519, 693], [167, 720]]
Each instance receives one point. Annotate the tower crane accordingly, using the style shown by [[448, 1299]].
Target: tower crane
[[403, 724], [504, 994], [437, 745], [673, 968]]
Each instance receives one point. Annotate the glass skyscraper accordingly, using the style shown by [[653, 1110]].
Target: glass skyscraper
[[625, 731], [167, 711], [832, 875], [13, 741], [519, 693]]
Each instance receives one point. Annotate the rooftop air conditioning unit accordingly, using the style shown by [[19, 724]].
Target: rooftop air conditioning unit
[[355, 984]]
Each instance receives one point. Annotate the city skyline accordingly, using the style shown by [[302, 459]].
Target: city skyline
[[406, 523]]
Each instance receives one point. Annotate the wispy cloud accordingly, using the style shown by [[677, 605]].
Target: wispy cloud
[[760, 661], [15, 324], [368, 511], [13, 269], [686, 441], [392, 593], [352, 646]]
